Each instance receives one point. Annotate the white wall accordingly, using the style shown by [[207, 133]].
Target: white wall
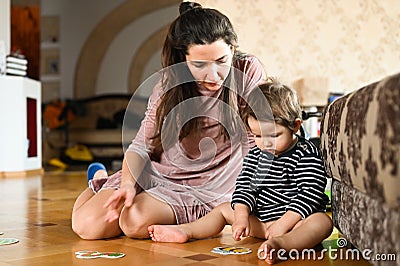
[[77, 21], [5, 23], [114, 70], [50, 7]]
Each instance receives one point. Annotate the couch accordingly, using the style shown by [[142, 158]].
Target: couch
[[360, 143], [96, 122]]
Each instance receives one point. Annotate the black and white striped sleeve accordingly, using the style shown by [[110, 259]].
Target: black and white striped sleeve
[[243, 192], [310, 180]]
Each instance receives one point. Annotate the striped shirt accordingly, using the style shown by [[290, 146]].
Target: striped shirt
[[272, 185]]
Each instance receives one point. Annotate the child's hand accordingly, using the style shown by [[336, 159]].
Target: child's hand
[[240, 225], [240, 228]]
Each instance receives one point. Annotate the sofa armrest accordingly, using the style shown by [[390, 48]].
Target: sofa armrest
[[360, 144], [360, 140]]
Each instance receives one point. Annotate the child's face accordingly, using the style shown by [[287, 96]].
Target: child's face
[[270, 136], [210, 63]]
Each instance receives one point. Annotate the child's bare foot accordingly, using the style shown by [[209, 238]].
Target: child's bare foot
[[168, 233], [268, 250]]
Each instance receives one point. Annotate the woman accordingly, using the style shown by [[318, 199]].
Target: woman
[[189, 149]]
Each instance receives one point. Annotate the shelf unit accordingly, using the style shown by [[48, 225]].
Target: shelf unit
[[50, 58]]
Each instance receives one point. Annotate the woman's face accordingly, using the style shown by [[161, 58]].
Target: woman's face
[[210, 63]]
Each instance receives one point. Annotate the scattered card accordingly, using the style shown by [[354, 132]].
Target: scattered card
[[96, 254], [8, 241], [231, 250]]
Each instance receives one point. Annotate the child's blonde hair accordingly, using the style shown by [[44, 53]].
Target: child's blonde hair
[[280, 104]]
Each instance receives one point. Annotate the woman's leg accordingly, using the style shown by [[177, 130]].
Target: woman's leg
[[88, 216], [145, 210], [310, 232], [88, 193]]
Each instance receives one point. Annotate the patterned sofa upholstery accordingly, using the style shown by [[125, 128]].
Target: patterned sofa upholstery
[[360, 143]]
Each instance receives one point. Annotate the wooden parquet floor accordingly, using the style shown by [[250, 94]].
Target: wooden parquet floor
[[37, 209]]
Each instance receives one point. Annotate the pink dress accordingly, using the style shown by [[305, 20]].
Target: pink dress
[[199, 172]]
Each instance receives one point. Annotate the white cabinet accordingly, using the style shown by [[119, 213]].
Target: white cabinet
[[20, 121]]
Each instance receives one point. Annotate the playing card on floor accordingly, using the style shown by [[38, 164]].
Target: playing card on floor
[[231, 250]]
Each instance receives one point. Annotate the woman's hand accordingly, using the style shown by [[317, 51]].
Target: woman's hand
[[122, 197]]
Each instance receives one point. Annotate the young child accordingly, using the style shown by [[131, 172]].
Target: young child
[[279, 193]]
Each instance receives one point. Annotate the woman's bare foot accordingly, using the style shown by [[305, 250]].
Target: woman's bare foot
[[268, 250], [96, 170], [100, 174], [168, 233], [99, 178]]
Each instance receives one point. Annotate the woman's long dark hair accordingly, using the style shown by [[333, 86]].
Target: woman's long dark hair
[[194, 26]]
